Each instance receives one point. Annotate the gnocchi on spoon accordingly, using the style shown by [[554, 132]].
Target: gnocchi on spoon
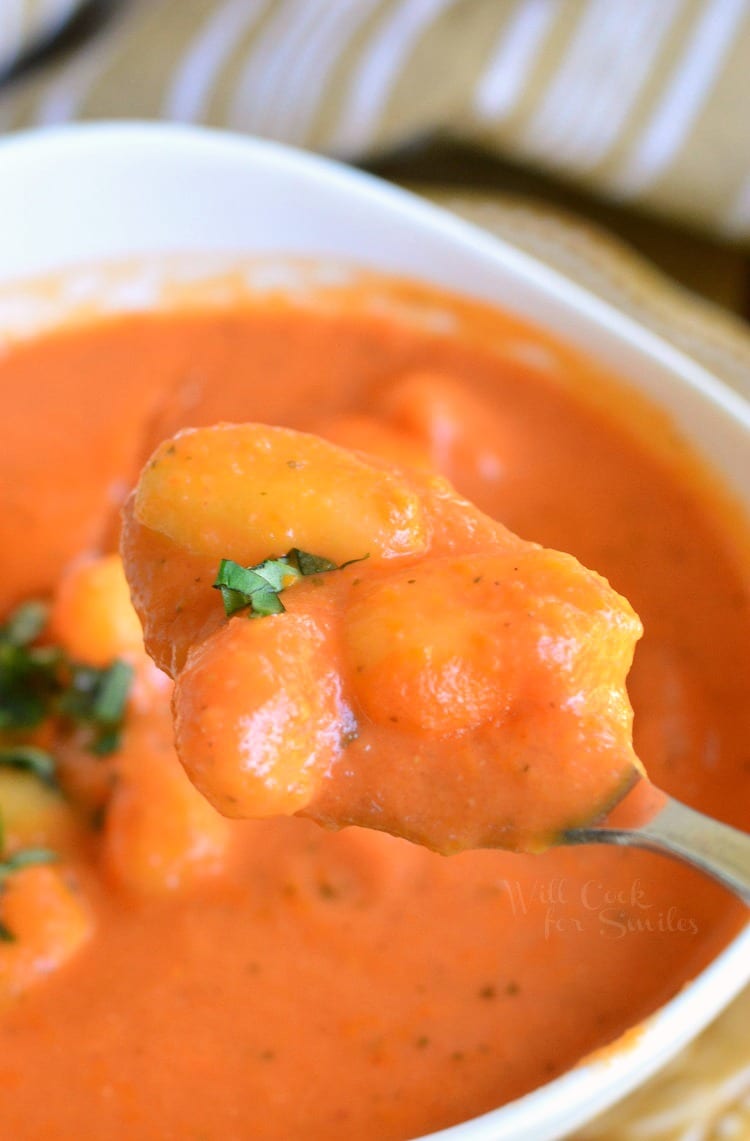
[[386, 655]]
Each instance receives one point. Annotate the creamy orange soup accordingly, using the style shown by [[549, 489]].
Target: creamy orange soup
[[175, 974]]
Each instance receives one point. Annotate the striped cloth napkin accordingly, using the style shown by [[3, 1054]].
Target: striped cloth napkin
[[641, 100]]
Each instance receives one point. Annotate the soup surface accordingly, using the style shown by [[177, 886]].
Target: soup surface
[[267, 980]]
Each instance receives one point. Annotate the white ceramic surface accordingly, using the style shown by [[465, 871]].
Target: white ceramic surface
[[108, 192]]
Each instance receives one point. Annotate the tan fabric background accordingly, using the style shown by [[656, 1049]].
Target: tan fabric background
[[26, 25], [641, 100]]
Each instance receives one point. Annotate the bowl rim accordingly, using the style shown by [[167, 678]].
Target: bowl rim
[[62, 141], [658, 1037]]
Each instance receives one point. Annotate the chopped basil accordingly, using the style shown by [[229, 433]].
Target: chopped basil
[[258, 587], [28, 682], [310, 564], [26, 858], [30, 759], [265, 602], [105, 741], [76, 700], [112, 695], [25, 624], [97, 698], [37, 682]]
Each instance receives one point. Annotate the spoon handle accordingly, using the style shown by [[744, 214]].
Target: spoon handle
[[676, 830]]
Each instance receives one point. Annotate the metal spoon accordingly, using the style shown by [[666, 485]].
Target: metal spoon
[[681, 832]]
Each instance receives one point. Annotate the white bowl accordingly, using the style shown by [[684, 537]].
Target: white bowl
[[107, 192]]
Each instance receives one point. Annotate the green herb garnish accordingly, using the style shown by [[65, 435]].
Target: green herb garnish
[[258, 587], [25, 858], [97, 698], [37, 682], [27, 673], [30, 759], [28, 682], [308, 564], [25, 624]]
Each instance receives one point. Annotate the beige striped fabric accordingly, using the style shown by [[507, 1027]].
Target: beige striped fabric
[[26, 25], [642, 100]]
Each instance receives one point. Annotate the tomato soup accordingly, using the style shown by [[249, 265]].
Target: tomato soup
[[216, 980]]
